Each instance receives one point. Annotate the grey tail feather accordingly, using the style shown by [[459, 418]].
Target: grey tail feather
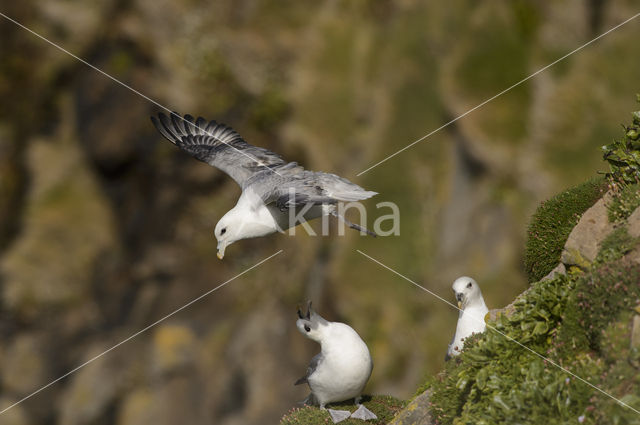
[[353, 225], [302, 380], [309, 401]]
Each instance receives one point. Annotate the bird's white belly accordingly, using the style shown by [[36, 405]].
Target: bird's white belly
[[469, 323], [340, 380]]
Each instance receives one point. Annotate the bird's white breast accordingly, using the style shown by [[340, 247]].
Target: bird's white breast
[[471, 321], [345, 368]]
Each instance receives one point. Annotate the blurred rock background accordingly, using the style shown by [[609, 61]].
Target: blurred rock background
[[105, 227]]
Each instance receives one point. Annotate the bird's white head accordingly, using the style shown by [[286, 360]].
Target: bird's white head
[[466, 290], [312, 325], [227, 231]]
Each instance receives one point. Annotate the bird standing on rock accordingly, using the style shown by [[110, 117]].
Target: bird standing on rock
[[342, 368]]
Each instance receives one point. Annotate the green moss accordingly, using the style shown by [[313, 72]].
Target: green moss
[[385, 407], [552, 223], [626, 198]]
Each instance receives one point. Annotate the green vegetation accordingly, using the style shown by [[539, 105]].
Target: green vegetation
[[496, 380], [616, 245], [596, 330], [552, 223], [625, 199], [623, 155], [385, 407]]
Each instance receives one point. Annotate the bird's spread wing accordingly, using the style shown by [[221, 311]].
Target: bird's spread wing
[[269, 176], [217, 145], [315, 361]]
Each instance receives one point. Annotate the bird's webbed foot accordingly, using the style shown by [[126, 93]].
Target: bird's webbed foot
[[338, 415], [363, 413]]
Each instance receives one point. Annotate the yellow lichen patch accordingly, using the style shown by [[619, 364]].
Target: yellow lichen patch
[[137, 409], [173, 348]]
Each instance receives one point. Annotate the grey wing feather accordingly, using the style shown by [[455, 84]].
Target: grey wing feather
[[313, 365], [217, 145], [295, 186], [448, 356]]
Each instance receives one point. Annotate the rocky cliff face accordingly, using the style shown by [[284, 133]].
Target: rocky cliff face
[[105, 228], [584, 316]]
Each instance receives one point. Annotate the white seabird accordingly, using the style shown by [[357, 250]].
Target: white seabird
[[276, 194], [342, 368], [472, 313]]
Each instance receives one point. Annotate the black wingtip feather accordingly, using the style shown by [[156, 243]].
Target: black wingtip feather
[[162, 126], [189, 126], [178, 124], [167, 129]]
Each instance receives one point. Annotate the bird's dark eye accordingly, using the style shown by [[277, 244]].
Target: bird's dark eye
[[469, 285], [307, 328], [223, 231]]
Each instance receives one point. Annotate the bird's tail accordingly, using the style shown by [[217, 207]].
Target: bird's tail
[[351, 225], [342, 189], [309, 401]]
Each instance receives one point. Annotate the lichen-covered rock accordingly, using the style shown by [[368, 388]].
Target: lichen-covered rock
[[559, 269], [585, 239], [633, 223], [416, 412], [173, 348]]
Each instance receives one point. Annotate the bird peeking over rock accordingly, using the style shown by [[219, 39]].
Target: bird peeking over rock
[[472, 313]]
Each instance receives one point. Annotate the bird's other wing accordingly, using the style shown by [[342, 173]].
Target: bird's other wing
[[294, 186], [217, 145], [448, 355], [313, 365]]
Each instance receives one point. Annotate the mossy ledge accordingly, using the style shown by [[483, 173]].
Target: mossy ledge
[[385, 407]]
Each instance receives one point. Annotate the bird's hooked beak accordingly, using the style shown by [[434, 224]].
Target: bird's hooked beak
[[221, 247], [459, 297]]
